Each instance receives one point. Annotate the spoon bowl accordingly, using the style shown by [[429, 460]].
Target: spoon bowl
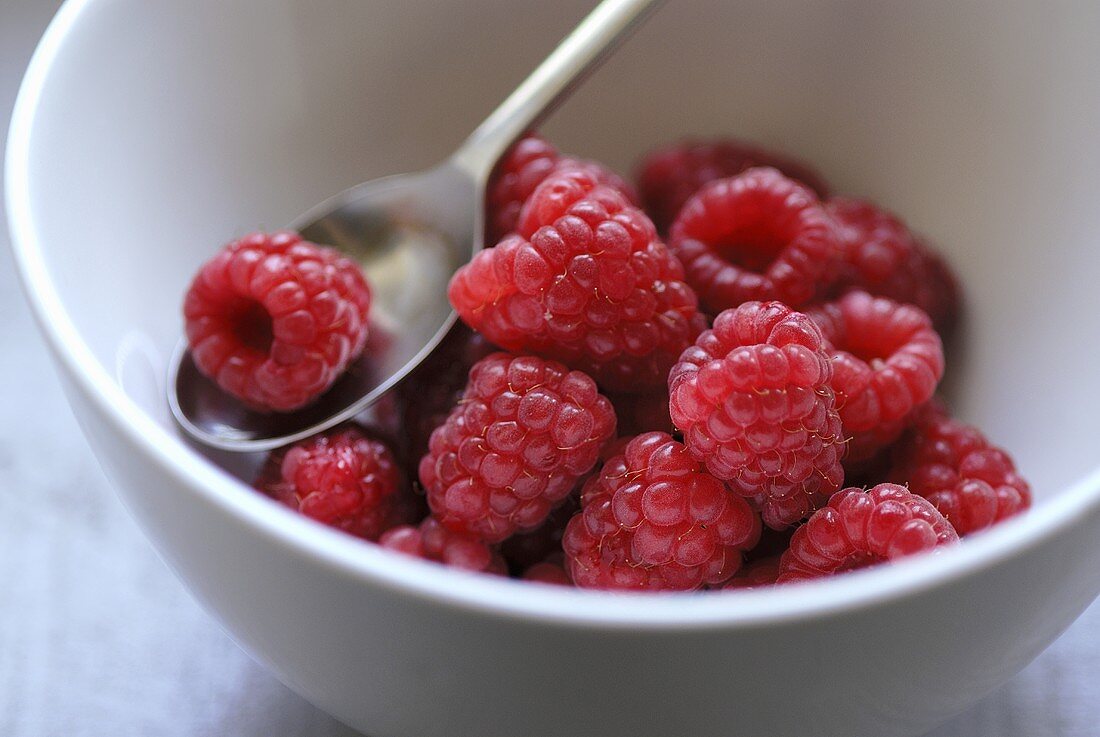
[[408, 233]]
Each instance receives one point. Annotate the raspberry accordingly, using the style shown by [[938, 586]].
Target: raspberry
[[864, 528], [669, 177], [755, 575], [341, 478], [887, 361], [883, 257], [973, 483], [513, 449], [752, 398], [757, 236], [522, 168], [653, 519], [585, 282], [274, 320], [551, 571], [432, 541]]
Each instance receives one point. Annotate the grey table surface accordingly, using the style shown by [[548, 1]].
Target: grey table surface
[[98, 638]]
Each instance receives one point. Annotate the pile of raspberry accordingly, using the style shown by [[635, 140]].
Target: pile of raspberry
[[723, 379]]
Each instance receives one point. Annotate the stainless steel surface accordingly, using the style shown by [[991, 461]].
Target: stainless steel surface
[[409, 232]]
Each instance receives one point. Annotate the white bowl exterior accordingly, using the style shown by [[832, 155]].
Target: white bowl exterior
[[134, 154], [394, 663]]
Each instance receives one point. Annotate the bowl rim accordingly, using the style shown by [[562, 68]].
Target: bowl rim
[[487, 595]]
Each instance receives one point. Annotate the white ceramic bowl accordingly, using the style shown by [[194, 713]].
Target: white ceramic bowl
[[147, 133]]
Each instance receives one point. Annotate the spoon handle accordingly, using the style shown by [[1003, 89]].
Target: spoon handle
[[552, 81]]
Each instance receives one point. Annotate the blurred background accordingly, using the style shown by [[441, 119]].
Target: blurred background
[[97, 637]]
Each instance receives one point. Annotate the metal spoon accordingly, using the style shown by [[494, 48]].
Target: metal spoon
[[410, 233]]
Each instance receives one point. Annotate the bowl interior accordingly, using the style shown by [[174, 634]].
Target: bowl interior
[[976, 121]]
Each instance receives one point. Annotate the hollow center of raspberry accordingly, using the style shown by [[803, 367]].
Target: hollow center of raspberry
[[252, 326], [752, 249], [870, 348]]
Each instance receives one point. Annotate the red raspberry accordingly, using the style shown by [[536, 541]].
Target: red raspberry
[[551, 571], [757, 236], [973, 483], [584, 282], [522, 168], [341, 478], [653, 519], [669, 177], [883, 257], [525, 431], [432, 541], [752, 398], [864, 528], [887, 361], [274, 320], [755, 575]]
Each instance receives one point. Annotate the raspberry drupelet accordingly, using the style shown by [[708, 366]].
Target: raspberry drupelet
[[274, 320], [862, 528], [585, 282], [430, 540], [753, 400], [973, 483], [887, 361], [653, 519], [513, 449], [522, 168], [341, 478], [668, 177], [883, 257], [756, 236]]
